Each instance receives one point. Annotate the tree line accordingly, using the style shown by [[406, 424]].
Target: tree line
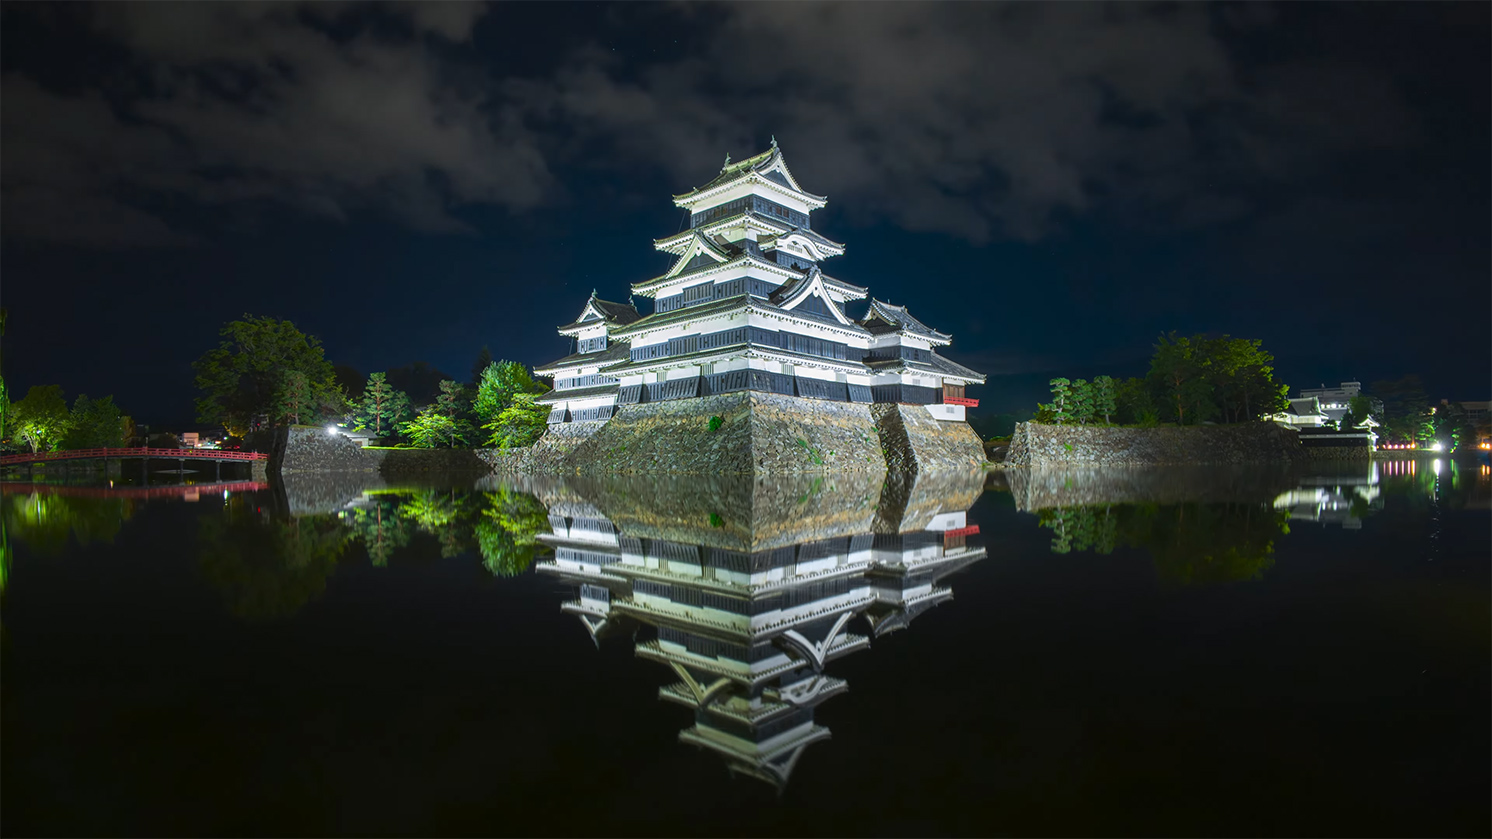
[[1190, 381], [265, 373]]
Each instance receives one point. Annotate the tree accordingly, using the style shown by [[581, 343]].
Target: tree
[[500, 382], [1135, 403], [1059, 409], [350, 380], [1082, 402], [382, 407], [1406, 409], [1177, 372], [94, 424], [452, 400], [41, 420], [1359, 408], [1104, 398], [243, 379], [292, 398], [431, 429], [478, 367], [520, 424], [419, 380]]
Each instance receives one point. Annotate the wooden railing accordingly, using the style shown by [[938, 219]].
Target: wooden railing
[[960, 400], [172, 454]]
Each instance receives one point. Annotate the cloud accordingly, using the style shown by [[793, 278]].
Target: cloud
[[988, 120], [260, 104], [979, 121]]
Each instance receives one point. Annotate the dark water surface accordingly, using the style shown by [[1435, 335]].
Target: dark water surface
[[1197, 652]]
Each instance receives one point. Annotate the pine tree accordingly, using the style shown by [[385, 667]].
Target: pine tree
[[1061, 400], [292, 398], [382, 406], [1082, 402], [478, 367], [1104, 398]]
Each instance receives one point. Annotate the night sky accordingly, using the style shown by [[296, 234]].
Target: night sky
[[1054, 184]]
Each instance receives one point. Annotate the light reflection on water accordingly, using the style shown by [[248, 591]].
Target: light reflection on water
[[746, 600]]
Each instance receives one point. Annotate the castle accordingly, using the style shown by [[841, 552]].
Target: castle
[[747, 307]]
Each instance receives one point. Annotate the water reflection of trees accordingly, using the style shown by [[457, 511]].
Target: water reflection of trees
[[268, 567], [1190, 543], [46, 522], [507, 535]]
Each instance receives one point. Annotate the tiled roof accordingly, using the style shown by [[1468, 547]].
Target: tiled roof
[[617, 351], [903, 320], [554, 396]]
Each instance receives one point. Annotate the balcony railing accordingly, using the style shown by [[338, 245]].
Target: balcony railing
[[959, 400]]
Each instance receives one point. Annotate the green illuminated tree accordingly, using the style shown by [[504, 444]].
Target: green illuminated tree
[[41, 420], [1059, 410], [499, 383], [1178, 372], [1082, 402], [382, 407], [94, 423], [1407, 413], [520, 424], [431, 429], [243, 380], [1104, 398]]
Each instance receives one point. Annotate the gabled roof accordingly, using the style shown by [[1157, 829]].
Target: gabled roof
[[701, 244], [751, 218], [647, 287], [1309, 406], [884, 317], [796, 292], [597, 310], [767, 168]]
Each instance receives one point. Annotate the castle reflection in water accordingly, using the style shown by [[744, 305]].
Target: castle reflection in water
[[752, 589]]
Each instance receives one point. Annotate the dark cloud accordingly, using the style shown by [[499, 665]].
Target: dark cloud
[[990, 120], [983, 121], [235, 104]]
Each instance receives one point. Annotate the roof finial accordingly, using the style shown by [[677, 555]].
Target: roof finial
[[774, 141], [727, 162], [593, 294]]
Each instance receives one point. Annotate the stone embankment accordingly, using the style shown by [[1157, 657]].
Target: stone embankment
[[1068, 445], [1049, 487], [759, 433], [311, 449]]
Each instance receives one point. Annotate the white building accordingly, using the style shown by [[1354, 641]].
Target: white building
[[747, 307]]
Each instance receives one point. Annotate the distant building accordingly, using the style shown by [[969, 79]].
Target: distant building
[[1302, 413], [1478, 413], [1336, 401]]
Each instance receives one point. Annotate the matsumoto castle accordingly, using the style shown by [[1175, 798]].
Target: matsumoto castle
[[746, 307]]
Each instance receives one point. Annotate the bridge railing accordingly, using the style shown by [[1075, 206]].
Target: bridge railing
[[174, 454]]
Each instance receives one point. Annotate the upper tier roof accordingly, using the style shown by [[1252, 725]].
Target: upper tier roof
[[617, 351], [884, 317], [597, 311], [774, 227], [767, 168]]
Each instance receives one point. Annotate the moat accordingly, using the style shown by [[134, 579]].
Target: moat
[[1141, 651]]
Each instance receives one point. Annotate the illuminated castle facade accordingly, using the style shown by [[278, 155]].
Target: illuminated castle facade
[[746, 306]]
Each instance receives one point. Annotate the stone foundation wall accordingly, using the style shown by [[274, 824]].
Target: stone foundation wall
[[416, 461], [915, 442], [547, 455], [1067, 445], [1337, 452], [308, 448], [305, 448], [758, 432]]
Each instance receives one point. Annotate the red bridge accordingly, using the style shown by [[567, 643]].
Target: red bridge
[[164, 454]]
